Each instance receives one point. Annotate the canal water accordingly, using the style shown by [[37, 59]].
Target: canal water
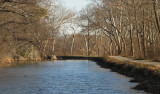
[[63, 77]]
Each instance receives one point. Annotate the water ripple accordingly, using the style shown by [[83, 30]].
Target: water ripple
[[64, 77]]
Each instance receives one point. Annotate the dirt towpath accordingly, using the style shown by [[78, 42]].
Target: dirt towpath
[[120, 58]]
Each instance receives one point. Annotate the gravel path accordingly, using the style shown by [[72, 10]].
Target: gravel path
[[137, 61]]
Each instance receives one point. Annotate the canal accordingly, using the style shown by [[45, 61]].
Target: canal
[[64, 77]]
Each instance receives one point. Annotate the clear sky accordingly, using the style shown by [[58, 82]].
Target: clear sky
[[75, 4]]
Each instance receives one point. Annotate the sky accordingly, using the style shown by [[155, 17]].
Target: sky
[[75, 4]]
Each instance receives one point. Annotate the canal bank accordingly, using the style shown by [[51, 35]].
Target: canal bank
[[147, 75]]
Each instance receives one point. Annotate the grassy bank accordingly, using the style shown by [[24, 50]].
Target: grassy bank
[[147, 76]]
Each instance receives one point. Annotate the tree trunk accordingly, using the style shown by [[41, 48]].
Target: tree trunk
[[156, 15], [142, 39], [53, 48], [73, 39], [137, 32]]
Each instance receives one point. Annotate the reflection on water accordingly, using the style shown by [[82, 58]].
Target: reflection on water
[[63, 77], [18, 63]]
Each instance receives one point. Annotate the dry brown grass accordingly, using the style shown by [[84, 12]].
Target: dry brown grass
[[155, 69], [7, 60]]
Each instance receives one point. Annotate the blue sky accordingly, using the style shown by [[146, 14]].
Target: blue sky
[[75, 4]]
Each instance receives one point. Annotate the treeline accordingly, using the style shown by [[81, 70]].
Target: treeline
[[19, 20], [41, 28], [131, 27], [118, 27], [28, 28], [123, 27]]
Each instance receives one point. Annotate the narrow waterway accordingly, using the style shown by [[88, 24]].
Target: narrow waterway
[[63, 77]]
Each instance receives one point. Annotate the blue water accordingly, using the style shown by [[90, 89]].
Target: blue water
[[63, 77]]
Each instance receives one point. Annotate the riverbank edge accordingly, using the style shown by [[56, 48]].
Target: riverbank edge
[[147, 76]]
